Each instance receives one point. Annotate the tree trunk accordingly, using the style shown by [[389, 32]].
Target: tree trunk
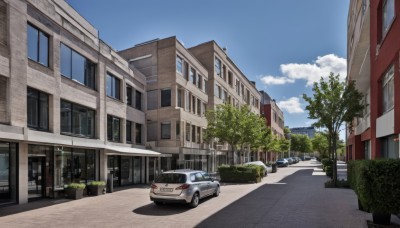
[[334, 165]]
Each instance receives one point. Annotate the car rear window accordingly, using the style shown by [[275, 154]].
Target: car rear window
[[171, 178]]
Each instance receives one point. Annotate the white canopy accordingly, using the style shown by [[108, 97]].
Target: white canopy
[[129, 151]]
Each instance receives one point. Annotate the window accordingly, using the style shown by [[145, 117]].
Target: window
[[388, 15], [77, 120], [179, 61], [198, 134], [138, 134], [218, 91], [38, 46], [129, 95], [230, 78], [193, 133], [128, 131], [113, 128], [186, 70], [3, 23], [77, 67], [113, 86], [38, 110], [165, 97], [166, 130], [152, 100], [187, 132], [238, 87], [217, 66], [193, 104], [193, 76], [205, 86], [224, 72], [388, 90], [179, 98], [199, 107], [187, 100], [178, 130], [200, 82], [204, 109], [138, 100]]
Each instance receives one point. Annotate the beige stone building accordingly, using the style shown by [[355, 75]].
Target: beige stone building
[[227, 84], [177, 85], [71, 109]]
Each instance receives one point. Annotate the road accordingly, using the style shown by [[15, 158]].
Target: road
[[294, 196]]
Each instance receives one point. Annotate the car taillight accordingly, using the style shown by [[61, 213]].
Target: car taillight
[[184, 186], [153, 186]]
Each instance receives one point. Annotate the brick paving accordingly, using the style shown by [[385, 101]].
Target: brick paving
[[292, 197]]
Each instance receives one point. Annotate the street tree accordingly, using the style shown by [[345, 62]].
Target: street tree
[[320, 144], [300, 143], [333, 103]]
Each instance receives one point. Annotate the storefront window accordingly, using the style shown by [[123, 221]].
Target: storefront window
[[8, 172]]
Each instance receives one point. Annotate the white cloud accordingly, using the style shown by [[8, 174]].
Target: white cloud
[[310, 72], [271, 80], [292, 105]]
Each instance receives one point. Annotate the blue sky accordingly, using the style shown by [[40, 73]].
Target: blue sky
[[283, 45]]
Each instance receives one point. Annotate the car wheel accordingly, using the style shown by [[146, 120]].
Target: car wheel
[[195, 200], [158, 203], [216, 193]]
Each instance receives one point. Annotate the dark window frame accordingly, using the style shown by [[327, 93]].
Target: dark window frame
[[114, 94], [128, 136], [165, 124], [168, 102], [87, 64], [38, 110], [138, 137], [39, 31], [129, 100], [113, 138], [71, 132], [138, 101]]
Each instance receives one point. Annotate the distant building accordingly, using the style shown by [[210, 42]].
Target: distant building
[[309, 131]]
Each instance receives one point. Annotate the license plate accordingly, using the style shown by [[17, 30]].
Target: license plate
[[166, 189]]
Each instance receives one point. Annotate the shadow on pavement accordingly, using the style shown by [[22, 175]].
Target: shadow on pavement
[[166, 209], [14, 209], [253, 209]]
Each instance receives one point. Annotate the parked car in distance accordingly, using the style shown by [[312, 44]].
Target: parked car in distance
[[282, 162], [289, 160], [183, 186], [260, 163]]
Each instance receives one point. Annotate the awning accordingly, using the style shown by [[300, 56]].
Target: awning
[[129, 151]]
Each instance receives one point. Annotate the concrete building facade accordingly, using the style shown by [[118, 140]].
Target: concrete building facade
[[309, 131], [227, 84], [71, 108], [374, 65], [176, 103]]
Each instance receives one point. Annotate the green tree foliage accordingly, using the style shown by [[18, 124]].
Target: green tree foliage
[[320, 144], [237, 127], [300, 143], [333, 103]]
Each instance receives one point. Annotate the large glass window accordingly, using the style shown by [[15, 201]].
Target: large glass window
[[179, 64], [77, 120], [8, 172], [38, 46], [74, 165], [113, 128], [179, 98], [193, 76], [138, 134], [217, 66], [77, 67], [113, 86], [138, 100], [166, 130], [187, 131], [388, 15], [128, 131], [388, 90], [165, 97], [38, 110]]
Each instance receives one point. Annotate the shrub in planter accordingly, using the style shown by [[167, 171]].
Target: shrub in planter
[[326, 162], [96, 188], [378, 187], [74, 191], [240, 173], [329, 171]]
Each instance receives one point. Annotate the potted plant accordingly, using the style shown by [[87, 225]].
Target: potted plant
[[96, 188], [75, 191]]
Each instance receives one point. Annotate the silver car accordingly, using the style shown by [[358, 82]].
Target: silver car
[[183, 186]]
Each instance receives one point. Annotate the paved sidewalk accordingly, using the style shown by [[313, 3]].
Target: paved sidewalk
[[292, 197]]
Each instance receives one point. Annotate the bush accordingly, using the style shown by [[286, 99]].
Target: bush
[[377, 185], [325, 162], [329, 171], [240, 173], [339, 184], [98, 183], [76, 186]]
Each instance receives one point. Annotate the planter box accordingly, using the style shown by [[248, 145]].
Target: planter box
[[95, 190], [381, 218], [74, 193]]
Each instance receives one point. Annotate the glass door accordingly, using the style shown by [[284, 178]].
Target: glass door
[[113, 168], [36, 177]]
